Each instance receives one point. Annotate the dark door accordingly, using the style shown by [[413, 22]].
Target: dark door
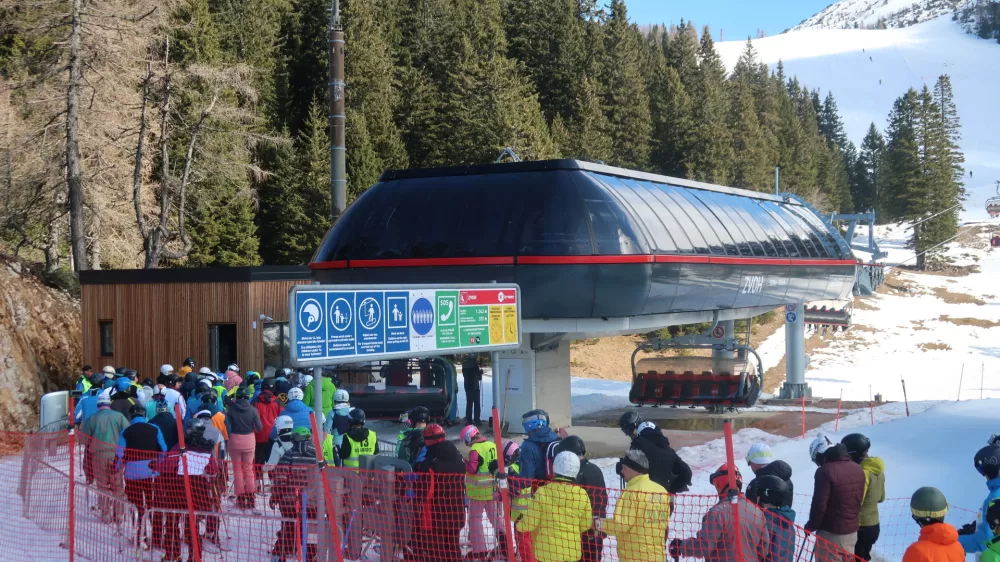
[[221, 346]]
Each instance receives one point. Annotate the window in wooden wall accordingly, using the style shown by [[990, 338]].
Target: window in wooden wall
[[107, 329]]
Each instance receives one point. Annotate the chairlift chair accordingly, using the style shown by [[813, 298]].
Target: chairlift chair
[[993, 203], [995, 240], [824, 315]]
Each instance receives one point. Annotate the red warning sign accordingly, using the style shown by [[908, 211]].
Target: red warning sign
[[487, 296], [719, 332]]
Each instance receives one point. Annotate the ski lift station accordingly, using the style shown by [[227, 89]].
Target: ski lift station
[[522, 258]]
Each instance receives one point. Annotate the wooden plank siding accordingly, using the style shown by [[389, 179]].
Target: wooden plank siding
[[156, 323]]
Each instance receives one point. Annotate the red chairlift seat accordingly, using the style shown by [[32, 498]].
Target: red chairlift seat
[[993, 206], [995, 241], [692, 381]]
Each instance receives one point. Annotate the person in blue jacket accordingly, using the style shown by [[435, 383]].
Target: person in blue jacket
[[194, 402], [976, 536], [773, 495], [533, 450], [297, 410], [87, 406]]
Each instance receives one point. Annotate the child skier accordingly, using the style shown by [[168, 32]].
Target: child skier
[[938, 540]]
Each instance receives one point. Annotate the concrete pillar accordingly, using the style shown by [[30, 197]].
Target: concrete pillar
[[795, 354], [728, 327], [526, 379]]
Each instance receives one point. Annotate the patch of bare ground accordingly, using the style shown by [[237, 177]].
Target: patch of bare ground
[[943, 269], [956, 298], [935, 347], [918, 326], [978, 322]]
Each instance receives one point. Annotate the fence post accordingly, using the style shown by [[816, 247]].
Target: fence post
[[327, 496], [501, 477], [836, 426], [192, 520], [803, 416], [733, 494], [71, 539], [960, 377], [906, 401]]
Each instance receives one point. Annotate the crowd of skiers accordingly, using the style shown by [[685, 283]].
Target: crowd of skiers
[[559, 500]]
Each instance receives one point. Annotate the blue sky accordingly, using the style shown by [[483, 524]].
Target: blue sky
[[736, 18]]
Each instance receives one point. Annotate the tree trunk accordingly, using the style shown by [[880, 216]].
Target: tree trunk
[[52, 257], [921, 258], [74, 181]]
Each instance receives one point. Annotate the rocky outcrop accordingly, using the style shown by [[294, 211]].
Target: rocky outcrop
[[40, 345]]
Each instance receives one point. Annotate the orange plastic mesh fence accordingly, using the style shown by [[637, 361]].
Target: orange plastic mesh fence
[[132, 505]]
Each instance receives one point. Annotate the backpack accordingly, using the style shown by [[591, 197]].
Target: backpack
[[550, 457], [294, 466]]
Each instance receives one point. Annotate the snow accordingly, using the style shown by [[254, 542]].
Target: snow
[[851, 63], [867, 13]]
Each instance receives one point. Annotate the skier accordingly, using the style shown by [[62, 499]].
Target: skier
[[103, 430], [232, 378], [591, 477], [194, 401], [243, 422], [857, 446], [772, 494], [938, 540], [533, 449], [329, 390], [186, 367], [164, 419], [480, 468], [818, 448], [472, 374], [559, 513], [440, 491], [714, 540], [665, 467], [166, 390], [763, 463], [992, 519], [411, 440], [122, 397], [297, 410], [359, 440], [87, 406], [975, 537], [289, 471], [835, 514], [83, 383], [337, 420], [268, 409], [642, 513], [138, 444]]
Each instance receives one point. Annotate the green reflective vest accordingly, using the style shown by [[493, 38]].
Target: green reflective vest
[[367, 446], [479, 486]]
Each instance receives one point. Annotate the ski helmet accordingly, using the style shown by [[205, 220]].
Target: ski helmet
[[195, 439], [572, 444], [720, 479], [771, 490], [189, 362], [137, 411], [469, 434], [284, 423], [242, 392], [205, 371], [818, 447], [162, 406], [567, 465], [510, 448], [341, 396], [356, 416], [205, 384], [166, 369], [233, 367], [122, 384], [535, 419], [987, 461], [132, 374], [109, 371], [253, 377], [295, 394], [629, 422], [103, 400], [928, 505], [857, 445], [433, 434], [420, 414]]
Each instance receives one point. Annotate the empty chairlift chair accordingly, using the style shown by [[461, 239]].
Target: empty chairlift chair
[[695, 381], [993, 204], [822, 315]]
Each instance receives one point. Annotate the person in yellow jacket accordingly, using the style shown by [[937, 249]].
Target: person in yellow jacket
[[559, 513], [642, 513], [874, 468]]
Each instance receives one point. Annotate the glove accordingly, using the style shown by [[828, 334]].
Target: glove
[[493, 466], [967, 529], [675, 548]]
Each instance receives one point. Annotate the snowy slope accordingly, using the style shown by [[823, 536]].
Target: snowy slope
[[868, 13], [868, 69]]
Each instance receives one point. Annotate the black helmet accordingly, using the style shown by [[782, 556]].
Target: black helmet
[[629, 422], [209, 397], [267, 384], [534, 419], [137, 411], [189, 362], [987, 461], [166, 380], [572, 444], [356, 416], [928, 505], [132, 374], [242, 391], [857, 445], [771, 490], [194, 438], [420, 415]]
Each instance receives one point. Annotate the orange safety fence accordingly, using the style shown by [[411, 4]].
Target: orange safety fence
[[137, 509]]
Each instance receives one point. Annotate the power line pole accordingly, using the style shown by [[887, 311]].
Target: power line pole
[[338, 145]]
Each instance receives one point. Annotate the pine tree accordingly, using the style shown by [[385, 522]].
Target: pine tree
[[682, 54], [588, 135], [363, 163], [869, 174], [751, 167], [711, 155], [625, 99], [944, 97], [302, 70], [904, 186], [671, 112], [796, 156], [830, 123]]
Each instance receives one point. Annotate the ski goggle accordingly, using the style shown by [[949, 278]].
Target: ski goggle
[[534, 422]]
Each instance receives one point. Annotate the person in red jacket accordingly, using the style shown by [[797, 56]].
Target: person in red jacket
[[268, 408], [938, 540], [836, 505]]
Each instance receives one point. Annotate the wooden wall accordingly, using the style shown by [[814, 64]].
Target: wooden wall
[[158, 323]]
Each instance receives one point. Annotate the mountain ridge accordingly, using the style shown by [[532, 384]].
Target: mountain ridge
[[880, 14]]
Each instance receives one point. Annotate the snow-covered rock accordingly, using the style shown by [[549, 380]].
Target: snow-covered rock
[[869, 14]]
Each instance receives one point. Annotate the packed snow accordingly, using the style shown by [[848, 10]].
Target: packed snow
[[868, 69]]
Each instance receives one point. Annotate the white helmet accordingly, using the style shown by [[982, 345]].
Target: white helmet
[[566, 464], [818, 447], [166, 369], [306, 380], [233, 367], [341, 396], [287, 372], [109, 370], [282, 423], [295, 394], [205, 371]]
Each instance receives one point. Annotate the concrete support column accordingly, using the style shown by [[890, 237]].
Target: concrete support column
[[795, 354], [525, 379], [728, 327]]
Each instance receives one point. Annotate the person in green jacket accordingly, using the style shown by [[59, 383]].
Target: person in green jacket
[[309, 393], [103, 430], [992, 518], [874, 469]]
